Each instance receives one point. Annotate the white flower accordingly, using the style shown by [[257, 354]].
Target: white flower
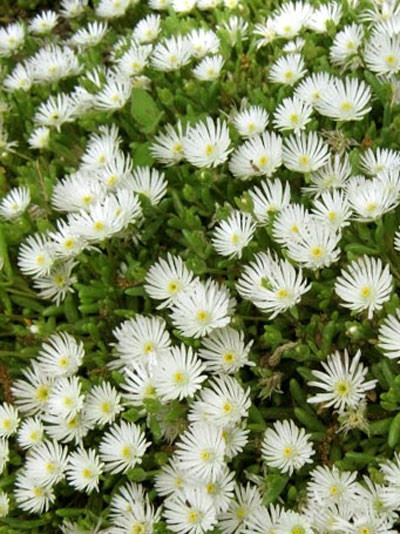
[[200, 452], [67, 244], [290, 224], [264, 520], [39, 138], [391, 472], [268, 198], [251, 121], [134, 60], [55, 111], [203, 42], [171, 54], [346, 44], [114, 94], [52, 63], [247, 500], [61, 355], [139, 385], [236, 26], [236, 438], [293, 523], [15, 203], [122, 447], [305, 152], [11, 38], [83, 470], [67, 429], [201, 309], [179, 374], [334, 175], [31, 496], [286, 447], [220, 490], [147, 29], [207, 143], [43, 22], [167, 279], [292, 114], [272, 284], [371, 198], [364, 285], [265, 32], [382, 54], [110, 9], [316, 246], [150, 183], [75, 193], [232, 235], [65, 398], [261, 155], [20, 78], [329, 486], [225, 351], [375, 161], [183, 6], [342, 381], [4, 453], [311, 89], [89, 36], [389, 336], [141, 340], [224, 403], [193, 513], [332, 209], [4, 504], [102, 404], [346, 100], [167, 147], [209, 68], [171, 479], [72, 8], [58, 283], [36, 255], [32, 392], [290, 18], [287, 70], [46, 463], [331, 12], [9, 420], [30, 433]]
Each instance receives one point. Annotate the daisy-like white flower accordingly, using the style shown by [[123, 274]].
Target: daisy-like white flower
[[31, 496], [179, 374], [126, 498], [89, 36], [167, 279], [46, 463], [84, 469], [134, 60], [264, 520], [193, 513], [236, 26], [232, 235], [389, 336], [39, 138], [15, 203], [269, 198], [382, 54], [207, 143], [67, 244], [114, 94], [236, 438], [139, 385], [122, 447], [209, 68], [264, 32], [286, 447], [43, 22], [287, 70], [65, 399], [171, 479], [183, 6], [167, 147], [346, 100], [371, 198], [316, 247], [55, 111], [9, 420], [200, 452], [30, 433], [147, 29], [4, 453], [11, 38], [110, 9], [346, 44], [260, 155], [171, 54], [364, 285], [391, 471], [290, 18], [58, 283], [331, 12], [4, 504], [292, 114], [247, 500], [342, 381], [375, 161], [20, 78], [332, 209], [141, 340], [224, 403], [329, 486], [52, 63], [290, 224], [311, 89], [305, 152], [61, 355], [251, 121], [150, 183], [272, 284], [67, 429], [293, 523], [334, 175], [201, 309], [36, 255], [220, 490], [72, 8], [75, 193], [32, 392], [203, 42], [102, 404], [225, 351]]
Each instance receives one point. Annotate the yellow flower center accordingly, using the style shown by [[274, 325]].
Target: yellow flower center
[[370, 207], [390, 60], [86, 473], [227, 407], [138, 528], [126, 452], [334, 490], [205, 455], [235, 239], [342, 388], [148, 347], [364, 530], [287, 451], [42, 393], [63, 362], [332, 215], [294, 228], [240, 513], [289, 75], [202, 316], [178, 482], [262, 161], [177, 148], [6, 424], [282, 293], [98, 226], [228, 357], [316, 252], [40, 259], [38, 492], [251, 127], [178, 377], [298, 530], [210, 488], [346, 106], [49, 467], [304, 160], [193, 516], [150, 391], [209, 149], [173, 287], [105, 407], [365, 291], [294, 118], [69, 243]]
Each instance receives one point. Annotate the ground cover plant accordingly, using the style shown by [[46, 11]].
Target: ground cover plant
[[199, 249]]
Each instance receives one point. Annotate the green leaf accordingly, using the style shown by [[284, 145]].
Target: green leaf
[[145, 110]]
